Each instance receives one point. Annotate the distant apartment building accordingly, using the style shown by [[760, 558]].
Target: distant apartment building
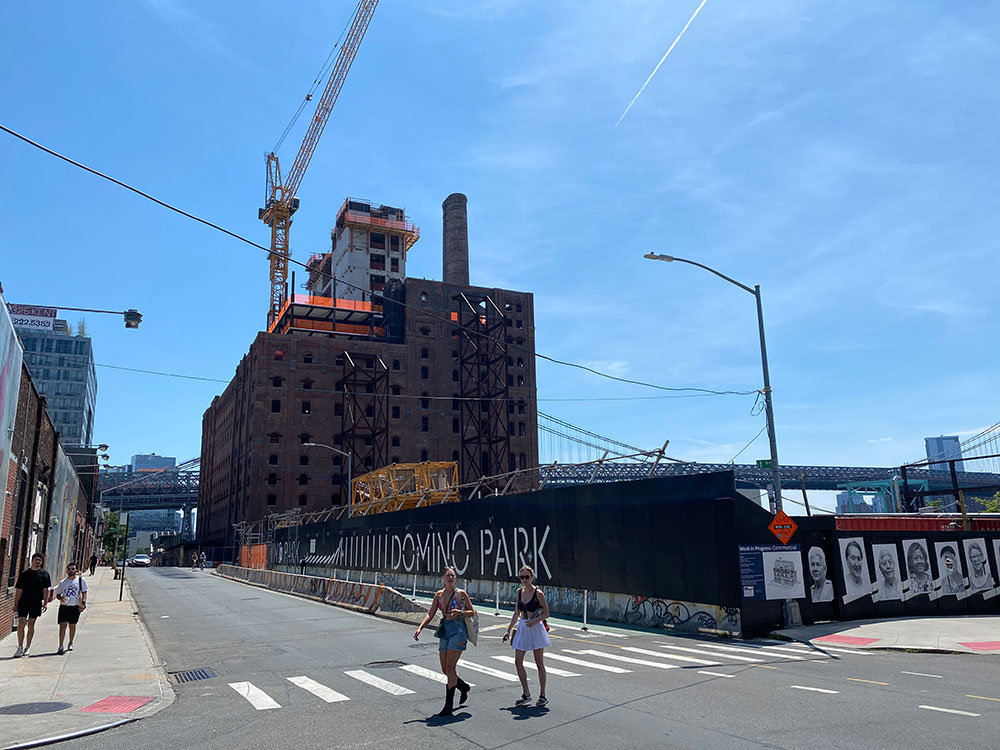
[[943, 448], [62, 367], [852, 502], [152, 462]]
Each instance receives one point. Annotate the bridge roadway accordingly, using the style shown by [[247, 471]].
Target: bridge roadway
[[164, 490]]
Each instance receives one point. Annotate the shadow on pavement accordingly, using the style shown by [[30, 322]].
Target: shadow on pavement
[[441, 721], [522, 713]]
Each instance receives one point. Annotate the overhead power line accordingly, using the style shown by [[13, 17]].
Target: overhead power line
[[342, 282]]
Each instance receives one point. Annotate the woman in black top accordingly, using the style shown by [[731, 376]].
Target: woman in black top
[[530, 635]]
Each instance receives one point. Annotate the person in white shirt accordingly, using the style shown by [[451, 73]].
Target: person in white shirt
[[72, 595]]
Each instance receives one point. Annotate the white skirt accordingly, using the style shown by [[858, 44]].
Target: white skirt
[[528, 638]]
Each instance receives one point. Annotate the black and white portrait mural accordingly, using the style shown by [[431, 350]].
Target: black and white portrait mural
[[820, 586], [949, 568], [887, 577], [857, 581], [980, 575], [918, 567]]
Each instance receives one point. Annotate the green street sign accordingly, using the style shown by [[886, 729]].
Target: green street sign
[[763, 463]]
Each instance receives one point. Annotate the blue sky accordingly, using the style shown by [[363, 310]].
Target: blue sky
[[841, 155]]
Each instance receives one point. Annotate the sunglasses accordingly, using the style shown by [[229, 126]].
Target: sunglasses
[[525, 578]]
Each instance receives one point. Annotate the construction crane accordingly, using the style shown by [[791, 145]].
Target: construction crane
[[282, 202]]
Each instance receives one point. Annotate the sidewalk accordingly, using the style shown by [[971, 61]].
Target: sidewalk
[[971, 634], [45, 695]]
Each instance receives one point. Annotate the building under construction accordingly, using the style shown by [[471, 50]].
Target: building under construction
[[379, 367]]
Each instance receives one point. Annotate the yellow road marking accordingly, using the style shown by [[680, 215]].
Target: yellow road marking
[[763, 666], [871, 682], [983, 698]]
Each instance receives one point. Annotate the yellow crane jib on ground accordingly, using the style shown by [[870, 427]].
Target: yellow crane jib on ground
[[282, 202]]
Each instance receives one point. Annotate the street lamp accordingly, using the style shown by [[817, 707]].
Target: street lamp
[[776, 473], [347, 455]]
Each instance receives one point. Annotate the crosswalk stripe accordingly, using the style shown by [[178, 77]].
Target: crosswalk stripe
[[254, 695], [714, 654], [317, 689], [592, 665], [430, 674], [815, 689], [661, 655], [626, 659], [377, 682], [489, 670], [715, 674], [757, 651], [529, 665], [851, 651]]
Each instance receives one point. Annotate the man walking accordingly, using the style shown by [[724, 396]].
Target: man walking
[[93, 565], [72, 595], [32, 593]]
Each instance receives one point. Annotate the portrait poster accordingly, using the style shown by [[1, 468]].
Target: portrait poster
[[857, 579], [950, 576], [918, 568], [976, 555], [888, 578]]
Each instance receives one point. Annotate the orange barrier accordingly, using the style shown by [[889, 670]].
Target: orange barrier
[[254, 556]]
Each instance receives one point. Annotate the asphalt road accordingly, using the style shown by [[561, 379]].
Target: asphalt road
[[677, 692]]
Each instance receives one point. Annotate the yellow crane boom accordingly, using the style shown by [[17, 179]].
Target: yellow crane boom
[[281, 199]]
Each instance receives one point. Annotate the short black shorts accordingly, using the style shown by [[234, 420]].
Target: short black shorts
[[70, 614], [31, 610]]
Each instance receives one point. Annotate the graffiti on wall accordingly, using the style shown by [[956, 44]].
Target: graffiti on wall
[[663, 613]]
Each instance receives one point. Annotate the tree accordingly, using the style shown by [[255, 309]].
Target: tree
[[81, 327], [113, 530], [992, 505]]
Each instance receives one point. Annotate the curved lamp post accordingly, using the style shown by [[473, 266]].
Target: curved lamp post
[[776, 474], [347, 455]]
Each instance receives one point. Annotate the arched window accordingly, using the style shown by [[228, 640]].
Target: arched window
[[272, 479], [305, 437], [274, 438], [395, 390], [307, 358], [425, 402], [395, 441], [454, 455], [303, 460], [423, 455], [303, 499], [276, 382], [278, 355], [272, 460], [424, 374], [520, 361], [520, 380], [303, 479], [454, 376], [424, 354], [306, 407], [276, 406], [272, 499]]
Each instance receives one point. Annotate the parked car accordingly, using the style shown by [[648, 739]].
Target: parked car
[[141, 561]]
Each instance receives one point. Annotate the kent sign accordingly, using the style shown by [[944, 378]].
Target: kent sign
[[30, 316]]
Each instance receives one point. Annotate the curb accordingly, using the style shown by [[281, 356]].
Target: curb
[[73, 735]]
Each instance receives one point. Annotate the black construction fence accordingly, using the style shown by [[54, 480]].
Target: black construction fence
[[689, 539]]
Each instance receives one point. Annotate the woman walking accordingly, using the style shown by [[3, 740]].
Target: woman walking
[[530, 634], [455, 606]]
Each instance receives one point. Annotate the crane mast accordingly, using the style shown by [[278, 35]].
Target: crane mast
[[281, 200]]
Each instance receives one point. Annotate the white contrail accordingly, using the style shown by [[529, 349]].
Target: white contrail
[[693, 16]]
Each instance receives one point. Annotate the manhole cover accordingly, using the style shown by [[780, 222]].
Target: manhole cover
[[23, 709], [391, 664], [193, 675]]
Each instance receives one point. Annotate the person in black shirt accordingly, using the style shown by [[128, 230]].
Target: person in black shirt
[[32, 593], [93, 565]]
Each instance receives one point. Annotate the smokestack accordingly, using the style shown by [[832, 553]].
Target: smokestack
[[456, 240]]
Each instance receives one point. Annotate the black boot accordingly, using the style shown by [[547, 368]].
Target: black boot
[[463, 691], [449, 703]]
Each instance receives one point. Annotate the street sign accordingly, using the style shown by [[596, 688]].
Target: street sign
[[783, 527], [33, 317], [763, 463]]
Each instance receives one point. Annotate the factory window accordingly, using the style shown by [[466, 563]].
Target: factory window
[[272, 499], [520, 381], [272, 460], [369, 363], [303, 479], [425, 331], [510, 428], [395, 441], [520, 323], [512, 462], [306, 407], [368, 440], [510, 408], [278, 355], [395, 459], [376, 240], [274, 438], [339, 360], [303, 499], [303, 460], [395, 364], [510, 361], [506, 305], [276, 406], [423, 297], [338, 410], [394, 265], [454, 424], [522, 431], [337, 459], [518, 309], [455, 403], [307, 385], [395, 390], [376, 262], [338, 439], [377, 282], [425, 402], [524, 461], [367, 462], [520, 341], [425, 424], [520, 361], [370, 410], [307, 358], [395, 412], [520, 407], [454, 455], [424, 374], [304, 438], [423, 455], [394, 242], [272, 479], [508, 322], [334, 498], [454, 354], [424, 354], [510, 380], [454, 376], [276, 382]]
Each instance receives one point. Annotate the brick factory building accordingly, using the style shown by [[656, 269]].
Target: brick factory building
[[432, 371]]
